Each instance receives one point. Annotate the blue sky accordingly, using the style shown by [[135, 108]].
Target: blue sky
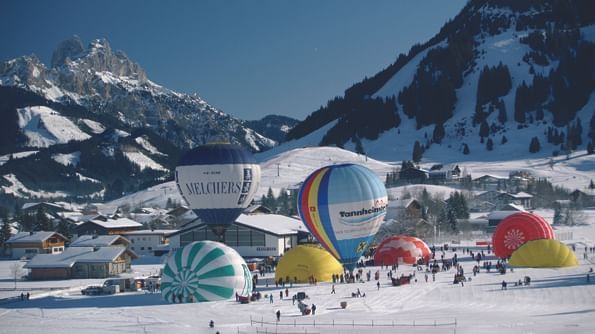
[[247, 58]]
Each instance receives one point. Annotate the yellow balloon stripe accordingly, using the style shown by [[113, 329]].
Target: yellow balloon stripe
[[313, 211]]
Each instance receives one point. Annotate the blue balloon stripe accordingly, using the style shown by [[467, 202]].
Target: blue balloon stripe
[[211, 154], [324, 210]]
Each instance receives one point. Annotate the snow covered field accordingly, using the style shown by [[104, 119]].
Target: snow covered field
[[558, 300]]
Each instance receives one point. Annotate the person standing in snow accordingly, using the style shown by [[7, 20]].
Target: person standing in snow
[[333, 290], [271, 298], [378, 285], [313, 309], [278, 315]]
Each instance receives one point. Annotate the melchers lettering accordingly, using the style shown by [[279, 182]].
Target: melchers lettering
[[211, 188]]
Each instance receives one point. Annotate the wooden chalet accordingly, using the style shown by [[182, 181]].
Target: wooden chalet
[[81, 262], [29, 244]]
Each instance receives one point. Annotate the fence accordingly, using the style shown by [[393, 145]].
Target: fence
[[353, 324]]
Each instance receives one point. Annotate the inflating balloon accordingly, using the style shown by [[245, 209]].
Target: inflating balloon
[[306, 261], [543, 253], [218, 181], [343, 206], [517, 229], [205, 271], [401, 249]]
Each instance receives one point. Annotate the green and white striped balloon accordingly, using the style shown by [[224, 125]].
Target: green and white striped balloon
[[205, 271]]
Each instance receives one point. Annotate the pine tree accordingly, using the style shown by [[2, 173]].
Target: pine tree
[[484, 129], [589, 148], [591, 185], [4, 230], [504, 140], [466, 149], [42, 222], [417, 152], [489, 144], [270, 200], [534, 146], [438, 134]]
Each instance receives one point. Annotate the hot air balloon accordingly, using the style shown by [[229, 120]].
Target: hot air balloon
[[218, 181], [401, 249], [517, 229], [343, 206], [305, 261], [205, 271], [543, 253]]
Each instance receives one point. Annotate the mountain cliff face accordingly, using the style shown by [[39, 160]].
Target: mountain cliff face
[[501, 75], [93, 126]]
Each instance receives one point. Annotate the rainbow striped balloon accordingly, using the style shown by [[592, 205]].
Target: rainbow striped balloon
[[205, 271], [343, 206]]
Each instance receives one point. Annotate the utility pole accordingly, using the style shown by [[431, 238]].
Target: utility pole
[[278, 164]]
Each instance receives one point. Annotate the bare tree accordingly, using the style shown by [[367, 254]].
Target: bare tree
[[16, 271]]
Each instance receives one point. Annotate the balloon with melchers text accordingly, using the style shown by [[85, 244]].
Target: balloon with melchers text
[[343, 206], [218, 181]]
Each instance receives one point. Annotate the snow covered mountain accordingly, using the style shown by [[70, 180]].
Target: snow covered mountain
[[106, 82], [504, 78], [93, 126]]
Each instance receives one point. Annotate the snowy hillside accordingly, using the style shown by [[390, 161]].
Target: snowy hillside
[[385, 114], [45, 127], [288, 169]]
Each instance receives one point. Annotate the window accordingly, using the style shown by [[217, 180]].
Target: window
[[150, 248], [142, 248], [258, 238], [244, 237]]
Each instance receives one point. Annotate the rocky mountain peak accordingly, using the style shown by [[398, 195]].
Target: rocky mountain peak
[[68, 49]]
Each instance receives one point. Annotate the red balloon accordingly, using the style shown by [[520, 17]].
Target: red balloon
[[516, 229], [401, 248]]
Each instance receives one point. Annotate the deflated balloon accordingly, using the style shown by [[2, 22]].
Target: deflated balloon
[[544, 253], [401, 249]]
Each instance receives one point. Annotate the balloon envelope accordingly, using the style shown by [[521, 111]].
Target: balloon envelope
[[401, 249], [517, 229], [205, 271], [343, 206], [305, 261], [543, 253], [218, 181]]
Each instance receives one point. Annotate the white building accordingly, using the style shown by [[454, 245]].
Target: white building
[[145, 242], [252, 235]]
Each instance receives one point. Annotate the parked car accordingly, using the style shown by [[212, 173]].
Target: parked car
[[92, 290]]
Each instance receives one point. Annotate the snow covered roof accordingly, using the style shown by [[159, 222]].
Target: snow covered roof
[[275, 224], [488, 176], [27, 206], [151, 232], [116, 223], [32, 237], [401, 203], [501, 214], [72, 255], [97, 240]]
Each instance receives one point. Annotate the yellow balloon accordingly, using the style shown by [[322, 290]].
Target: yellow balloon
[[543, 253], [305, 261]]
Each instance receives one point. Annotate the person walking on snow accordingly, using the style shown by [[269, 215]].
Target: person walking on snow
[[271, 298], [378, 285], [278, 315], [333, 290]]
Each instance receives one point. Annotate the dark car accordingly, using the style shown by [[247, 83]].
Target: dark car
[[92, 290]]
